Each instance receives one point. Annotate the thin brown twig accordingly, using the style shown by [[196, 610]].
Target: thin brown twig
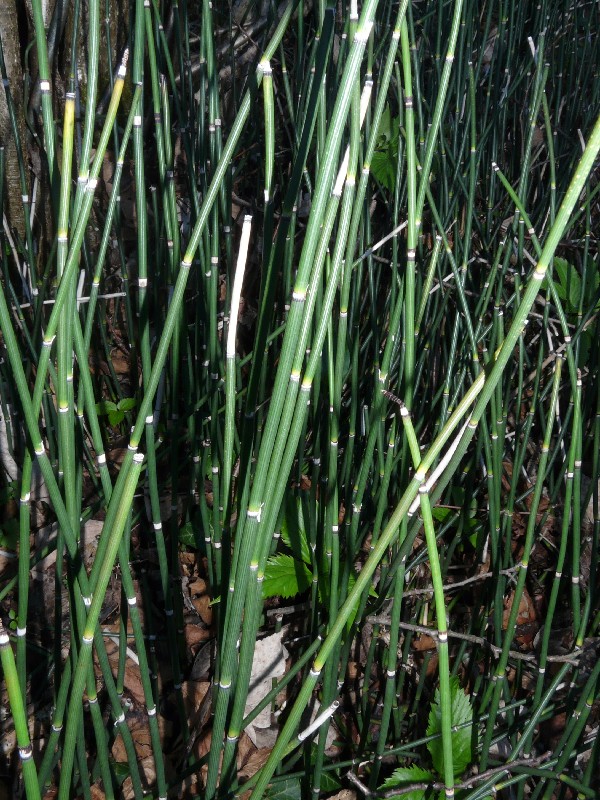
[[473, 579], [382, 619], [438, 786]]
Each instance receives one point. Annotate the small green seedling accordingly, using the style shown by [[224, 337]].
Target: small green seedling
[[568, 284], [569, 287], [115, 411], [463, 743], [288, 574]]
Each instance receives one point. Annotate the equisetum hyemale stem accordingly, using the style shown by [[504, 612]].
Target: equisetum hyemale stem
[[403, 244]]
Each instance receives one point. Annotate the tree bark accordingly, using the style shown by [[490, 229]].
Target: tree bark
[[9, 32]]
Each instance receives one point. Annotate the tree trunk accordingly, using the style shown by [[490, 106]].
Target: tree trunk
[[9, 32]]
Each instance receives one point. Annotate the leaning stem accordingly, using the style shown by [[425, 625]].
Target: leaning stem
[[440, 608]]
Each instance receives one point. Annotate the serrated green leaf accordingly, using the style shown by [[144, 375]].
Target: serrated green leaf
[[403, 776], [567, 283], [121, 770], [329, 783], [105, 407], [293, 530], [440, 513], [384, 164], [389, 128], [462, 712], [570, 283], [285, 577], [126, 404], [114, 417], [284, 790]]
